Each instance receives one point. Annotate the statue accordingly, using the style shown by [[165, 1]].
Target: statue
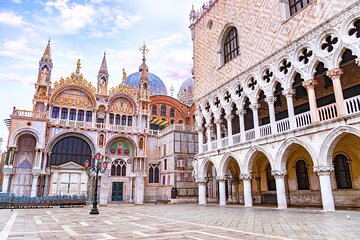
[[101, 140], [78, 66], [124, 76], [44, 75]]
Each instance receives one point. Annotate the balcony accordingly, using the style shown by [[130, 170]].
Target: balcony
[[325, 113], [29, 114]]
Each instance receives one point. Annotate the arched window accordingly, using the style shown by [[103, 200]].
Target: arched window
[[129, 121], [172, 112], [231, 45], [296, 5], [72, 115], [64, 113], [80, 115], [302, 175], [55, 112], [154, 173], [154, 110], [89, 116], [118, 168], [270, 179], [342, 172], [117, 119], [70, 149], [123, 120], [163, 110], [111, 118]]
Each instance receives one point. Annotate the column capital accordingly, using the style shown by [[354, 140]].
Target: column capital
[[279, 174], [289, 92], [229, 117], [245, 176], [221, 178], [254, 106], [323, 170], [335, 73], [36, 172], [201, 180], [270, 100], [199, 129], [241, 112], [311, 83]]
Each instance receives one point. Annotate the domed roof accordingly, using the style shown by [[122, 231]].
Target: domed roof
[[186, 92], [157, 86]]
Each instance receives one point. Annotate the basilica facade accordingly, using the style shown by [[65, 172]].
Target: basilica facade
[[277, 99], [51, 147]]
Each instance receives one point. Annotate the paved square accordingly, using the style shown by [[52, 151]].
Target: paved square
[[185, 221]]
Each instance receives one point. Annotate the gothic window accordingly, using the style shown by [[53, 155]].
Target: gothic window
[[129, 121], [342, 172], [80, 115], [64, 113], [123, 120], [231, 45], [89, 116], [277, 94], [72, 115], [154, 110], [163, 110], [296, 5], [111, 118], [270, 179], [70, 149], [172, 112], [165, 164], [55, 112], [300, 91], [172, 121], [302, 175], [154, 173], [118, 168], [117, 119]]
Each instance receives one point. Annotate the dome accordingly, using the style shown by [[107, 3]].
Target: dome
[[157, 86], [186, 92]]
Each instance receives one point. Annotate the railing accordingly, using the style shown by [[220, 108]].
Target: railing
[[303, 119], [154, 132], [214, 145], [29, 114], [236, 138], [250, 134], [327, 112], [205, 147], [283, 125], [353, 105], [224, 142], [265, 130]]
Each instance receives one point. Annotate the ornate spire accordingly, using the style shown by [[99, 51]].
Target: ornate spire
[[103, 68], [172, 90], [144, 50], [103, 77], [47, 53], [78, 66]]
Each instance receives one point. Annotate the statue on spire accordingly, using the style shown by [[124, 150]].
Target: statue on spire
[[144, 50], [124, 76], [78, 66]]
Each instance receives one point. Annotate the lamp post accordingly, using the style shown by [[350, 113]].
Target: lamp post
[[100, 165]]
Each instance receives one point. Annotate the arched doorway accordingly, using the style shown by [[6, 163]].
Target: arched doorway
[[21, 183], [231, 173]]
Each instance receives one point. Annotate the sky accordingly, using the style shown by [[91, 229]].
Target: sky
[[85, 29]]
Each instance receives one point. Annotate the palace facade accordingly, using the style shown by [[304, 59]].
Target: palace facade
[[135, 127], [277, 94]]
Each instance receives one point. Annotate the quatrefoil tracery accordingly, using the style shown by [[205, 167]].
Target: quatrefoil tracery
[[305, 56], [285, 66], [356, 29], [239, 90], [268, 75], [217, 102], [252, 83], [227, 97], [329, 44]]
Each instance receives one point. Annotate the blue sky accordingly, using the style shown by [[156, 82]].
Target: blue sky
[[85, 29]]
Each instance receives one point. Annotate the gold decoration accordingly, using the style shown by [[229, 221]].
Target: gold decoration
[[123, 89]]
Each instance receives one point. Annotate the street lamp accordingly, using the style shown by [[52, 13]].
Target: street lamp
[[100, 165]]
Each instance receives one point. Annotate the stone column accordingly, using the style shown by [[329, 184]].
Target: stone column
[[208, 132], [310, 87], [44, 161], [229, 118], [325, 186], [234, 189], [34, 184], [270, 101], [6, 179], [201, 139], [339, 97], [230, 192], [41, 152], [202, 191], [241, 114], [255, 107], [222, 190], [246, 178], [280, 188], [288, 93], [218, 133], [94, 118]]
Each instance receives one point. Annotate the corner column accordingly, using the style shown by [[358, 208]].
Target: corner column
[[325, 186], [310, 87], [335, 75], [201, 139], [280, 188], [202, 191], [222, 190], [246, 178]]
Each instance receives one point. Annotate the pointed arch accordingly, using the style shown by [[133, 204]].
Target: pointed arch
[[224, 162], [250, 157], [204, 165]]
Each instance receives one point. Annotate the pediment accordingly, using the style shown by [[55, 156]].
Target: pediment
[[71, 165]]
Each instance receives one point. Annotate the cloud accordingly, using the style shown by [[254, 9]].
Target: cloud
[[16, 77], [126, 21], [16, 1], [10, 18]]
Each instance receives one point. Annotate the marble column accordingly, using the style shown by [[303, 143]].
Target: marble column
[[6, 179], [222, 190], [229, 118], [208, 132], [218, 133], [270, 101], [202, 191], [335, 75], [280, 188], [34, 185], [246, 178], [310, 87], [288, 93], [201, 139], [234, 190], [241, 114], [255, 107], [325, 186]]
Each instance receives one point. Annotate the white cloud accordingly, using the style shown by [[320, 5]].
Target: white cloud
[[9, 18], [17, 45], [126, 21], [16, 77], [16, 1]]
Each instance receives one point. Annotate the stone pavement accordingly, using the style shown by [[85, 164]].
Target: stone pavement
[[183, 221]]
